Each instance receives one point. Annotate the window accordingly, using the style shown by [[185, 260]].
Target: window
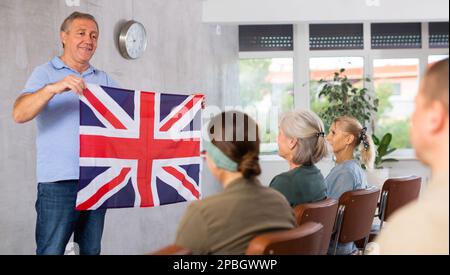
[[325, 67], [266, 87], [396, 84], [336, 36], [438, 37], [391, 55], [266, 77], [266, 38], [396, 36]]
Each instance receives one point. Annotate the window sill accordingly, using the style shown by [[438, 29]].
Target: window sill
[[271, 157], [401, 154], [404, 154]]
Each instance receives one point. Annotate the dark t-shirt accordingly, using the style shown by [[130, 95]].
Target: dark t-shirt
[[304, 184]]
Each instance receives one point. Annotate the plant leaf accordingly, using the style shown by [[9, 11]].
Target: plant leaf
[[376, 140]]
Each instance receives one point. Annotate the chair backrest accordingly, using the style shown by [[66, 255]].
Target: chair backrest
[[323, 212], [358, 209], [173, 250], [302, 240], [399, 192]]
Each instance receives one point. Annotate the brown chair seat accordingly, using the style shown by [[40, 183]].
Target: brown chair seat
[[355, 216], [303, 240], [396, 193], [323, 212]]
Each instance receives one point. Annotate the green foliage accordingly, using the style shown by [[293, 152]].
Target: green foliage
[[398, 128], [268, 137], [287, 100], [341, 98], [384, 91], [317, 104], [383, 149], [400, 131], [253, 73], [255, 88]]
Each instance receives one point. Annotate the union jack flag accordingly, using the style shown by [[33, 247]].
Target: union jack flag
[[138, 149]]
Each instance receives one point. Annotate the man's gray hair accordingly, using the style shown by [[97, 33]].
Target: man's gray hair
[[76, 15]]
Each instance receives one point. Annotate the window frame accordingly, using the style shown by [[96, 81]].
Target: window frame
[[270, 55], [302, 54]]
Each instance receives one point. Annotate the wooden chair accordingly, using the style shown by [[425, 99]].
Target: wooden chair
[[303, 240], [323, 212], [396, 193], [355, 216]]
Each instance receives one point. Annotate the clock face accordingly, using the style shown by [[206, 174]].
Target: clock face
[[133, 40]]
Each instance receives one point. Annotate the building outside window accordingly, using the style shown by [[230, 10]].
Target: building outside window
[[396, 83]]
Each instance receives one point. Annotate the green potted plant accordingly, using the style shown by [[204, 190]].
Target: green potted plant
[[380, 174], [344, 99], [383, 149]]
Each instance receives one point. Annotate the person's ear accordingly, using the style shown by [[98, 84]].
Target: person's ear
[[63, 37], [349, 139], [436, 116], [292, 143]]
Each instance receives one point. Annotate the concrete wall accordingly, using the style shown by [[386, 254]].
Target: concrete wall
[[184, 55]]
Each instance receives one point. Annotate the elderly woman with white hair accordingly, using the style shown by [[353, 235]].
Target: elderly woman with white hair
[[301, 141]]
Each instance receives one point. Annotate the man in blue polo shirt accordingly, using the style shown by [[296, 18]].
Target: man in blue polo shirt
[[51, 95]]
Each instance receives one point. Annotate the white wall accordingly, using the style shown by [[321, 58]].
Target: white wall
[[291, 11]]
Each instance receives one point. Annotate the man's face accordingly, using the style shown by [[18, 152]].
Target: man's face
[[80, 40]]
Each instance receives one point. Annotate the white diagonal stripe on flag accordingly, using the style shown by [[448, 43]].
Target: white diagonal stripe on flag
[[98, 182], [187, 118], [112, 106], [176, 184]]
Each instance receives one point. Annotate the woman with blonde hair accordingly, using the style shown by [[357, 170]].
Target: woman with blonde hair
[[345, 137], [301, 141]]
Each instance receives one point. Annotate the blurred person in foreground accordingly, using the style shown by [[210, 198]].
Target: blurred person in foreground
[[422, 227]]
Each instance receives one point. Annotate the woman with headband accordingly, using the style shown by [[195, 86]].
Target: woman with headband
[[345, 136], [226, 223]]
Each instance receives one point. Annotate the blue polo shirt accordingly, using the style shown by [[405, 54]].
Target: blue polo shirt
[[58, 142]]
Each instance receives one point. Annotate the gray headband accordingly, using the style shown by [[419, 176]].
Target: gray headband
[[219, 158]]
